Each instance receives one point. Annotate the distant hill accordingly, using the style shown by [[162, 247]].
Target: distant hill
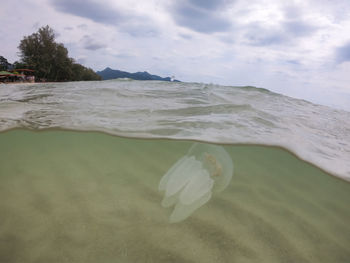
[[109, 73]]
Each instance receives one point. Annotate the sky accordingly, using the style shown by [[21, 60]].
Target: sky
[[299, 48]]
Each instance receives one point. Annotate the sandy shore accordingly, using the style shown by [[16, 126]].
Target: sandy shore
[[88, 197]]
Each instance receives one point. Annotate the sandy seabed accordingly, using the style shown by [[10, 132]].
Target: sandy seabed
[[89, 197]]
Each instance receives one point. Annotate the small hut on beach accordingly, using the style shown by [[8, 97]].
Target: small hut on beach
[[6, 76], [27, 73], [17, 75]]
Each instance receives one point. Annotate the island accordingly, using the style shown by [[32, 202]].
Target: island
[[109, 73]]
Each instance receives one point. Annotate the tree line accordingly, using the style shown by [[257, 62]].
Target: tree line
[[48, 59]]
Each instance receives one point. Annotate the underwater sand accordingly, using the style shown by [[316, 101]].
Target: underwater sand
[[90, 197]]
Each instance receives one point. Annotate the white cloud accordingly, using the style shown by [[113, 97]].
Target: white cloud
[[295, 47]]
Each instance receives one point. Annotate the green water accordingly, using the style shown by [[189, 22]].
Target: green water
[[90, 197]]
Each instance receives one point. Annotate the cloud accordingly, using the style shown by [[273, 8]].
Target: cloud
[[140, 30], [264, 36], [96, 11], [280, 25], [185, 36], [81, 61], [82, 26], [293, 62], [283, 33], [298, 28], [201, 16], [292, 11], [343, 53], [36, 25], [297, 38], [210, 4], [91, 44], [123, 56], [295, 22], [133, 24]]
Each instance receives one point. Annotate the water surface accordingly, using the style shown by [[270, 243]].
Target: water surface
[[212, 113], [90, 197]]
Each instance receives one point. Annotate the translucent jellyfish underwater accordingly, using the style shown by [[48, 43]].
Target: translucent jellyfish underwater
[[190, 182]]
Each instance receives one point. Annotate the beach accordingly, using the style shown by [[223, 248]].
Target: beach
[[175, 131], [91, 197]]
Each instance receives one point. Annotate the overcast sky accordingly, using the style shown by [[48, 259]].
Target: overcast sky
[[299, 48]]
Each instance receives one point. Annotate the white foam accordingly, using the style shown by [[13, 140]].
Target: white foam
[[152, 109]]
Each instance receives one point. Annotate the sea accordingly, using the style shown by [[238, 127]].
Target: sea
[[151, 171]]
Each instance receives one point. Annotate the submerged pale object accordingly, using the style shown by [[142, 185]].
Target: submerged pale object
[[190, 182]]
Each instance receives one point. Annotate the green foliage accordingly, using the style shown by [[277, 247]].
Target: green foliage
[[82, 73], [19, 65], [50, 60], [3, 63]]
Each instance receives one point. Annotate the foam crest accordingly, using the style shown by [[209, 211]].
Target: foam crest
[[210, 113]]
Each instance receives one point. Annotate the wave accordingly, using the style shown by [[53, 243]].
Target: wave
[[191, 111]]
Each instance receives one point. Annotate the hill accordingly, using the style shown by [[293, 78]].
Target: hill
[[109, 73]]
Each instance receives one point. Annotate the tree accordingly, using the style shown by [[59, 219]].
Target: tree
[[4, 64], [82, 73], [49, 59], [19, 65], [38, 52]]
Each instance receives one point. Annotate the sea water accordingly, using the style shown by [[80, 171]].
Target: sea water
[[74, 188]]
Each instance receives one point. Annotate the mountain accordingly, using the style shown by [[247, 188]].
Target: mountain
[[109, 73]]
